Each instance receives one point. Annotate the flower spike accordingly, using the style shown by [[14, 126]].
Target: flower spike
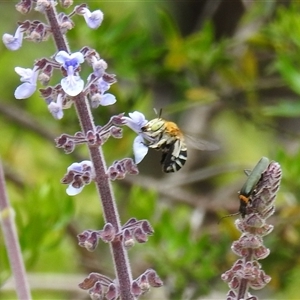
[[246, 272], [72, 90]]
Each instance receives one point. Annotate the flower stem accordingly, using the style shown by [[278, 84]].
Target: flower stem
[[11, 242], [120, 257], [59, 39], [110, 211]]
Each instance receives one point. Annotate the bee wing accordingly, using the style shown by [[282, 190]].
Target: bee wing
[[200, 144]]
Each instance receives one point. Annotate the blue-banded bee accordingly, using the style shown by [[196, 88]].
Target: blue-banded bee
[[167, 137]]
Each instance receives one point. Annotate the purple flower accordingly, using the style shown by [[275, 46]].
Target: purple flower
[[92, 19], [78, 175], [140, 150], [100, 98], [13, 42], [107, 99], [103, 100], [120, 168], [136, 121], [72, 84], [99, 66], [29, 77], [55, 108]]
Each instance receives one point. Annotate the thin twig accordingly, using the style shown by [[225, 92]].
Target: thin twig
[[7, 217]]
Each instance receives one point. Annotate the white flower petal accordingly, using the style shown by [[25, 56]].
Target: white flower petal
[[135, 121], [75, 167], [139, 149], [138, 117], [56, 110], [62, 56], [93, 19], [25, 90], [103, 86], [107, 99], [71, 191], [78, 56], [24, 73], [10, 42], [13, 42], [72, 85]]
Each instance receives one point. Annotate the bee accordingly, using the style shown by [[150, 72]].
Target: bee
[[167, 137]]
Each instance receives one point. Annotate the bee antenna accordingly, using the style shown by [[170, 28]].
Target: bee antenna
[[160, 113], [231, 215]]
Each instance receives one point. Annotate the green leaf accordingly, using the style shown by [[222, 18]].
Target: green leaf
[[290, 72], [168, 26], [284, 108]]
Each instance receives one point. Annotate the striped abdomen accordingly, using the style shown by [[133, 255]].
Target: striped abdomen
[[174, 156]]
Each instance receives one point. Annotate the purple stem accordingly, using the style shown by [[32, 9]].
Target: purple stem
[[111, 215], [108, 202], [244, 286], [11, 242]]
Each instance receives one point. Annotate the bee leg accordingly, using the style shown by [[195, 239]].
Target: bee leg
[[158, 145], [167, 162]]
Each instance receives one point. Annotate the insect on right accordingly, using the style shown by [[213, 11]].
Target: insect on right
[[254, 177], [249, 186]]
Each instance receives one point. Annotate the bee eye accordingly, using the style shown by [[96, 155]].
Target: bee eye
[[156, 126]]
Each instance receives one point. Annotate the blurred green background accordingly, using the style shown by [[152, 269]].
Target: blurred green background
[[225, 71]]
